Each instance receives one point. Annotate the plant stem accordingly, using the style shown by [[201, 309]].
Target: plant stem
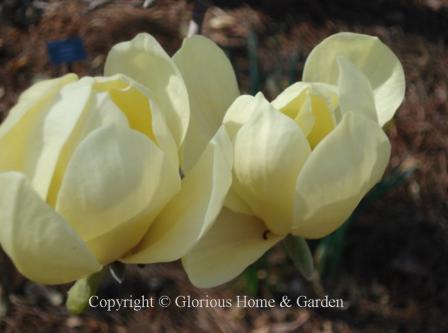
[[197, 20]]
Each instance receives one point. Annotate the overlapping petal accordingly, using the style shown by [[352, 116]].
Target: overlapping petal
[[143, 113], [30, 141], [355, 92], [270, 150], [212, 87], [338, 173], [234, 242], [241, 110], [145, 61], [189, 215], [374, 59], [42, 245], [99, 111], [290, 100], [235, 203], [113, 176], [312, 105]]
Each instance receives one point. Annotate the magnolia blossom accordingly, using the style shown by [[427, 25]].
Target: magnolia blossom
[[303, 162], [132, 166]]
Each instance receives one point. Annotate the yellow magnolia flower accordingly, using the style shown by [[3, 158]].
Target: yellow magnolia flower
[[303, 162], [90, 168]]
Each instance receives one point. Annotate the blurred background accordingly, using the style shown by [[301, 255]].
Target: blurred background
[[389, 263]]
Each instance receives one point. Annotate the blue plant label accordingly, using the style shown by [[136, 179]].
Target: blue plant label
[[66, 51]]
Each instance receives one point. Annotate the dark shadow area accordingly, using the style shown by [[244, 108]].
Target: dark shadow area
[[407, 15]]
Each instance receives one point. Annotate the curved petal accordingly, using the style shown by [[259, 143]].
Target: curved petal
[[241, 110], [305, 118], [129, 98], [355, 92], [212, 87], [270, 150], [41, 244], [99, 111], [33, 99], [295, 102], [116, 243], [145, 61], [290, 100], [313, 107], [233, 243], [373, 58], [33, 135], [338, 173], [112, 177], [189, 215], [143, 114], [324, 119], [235, 203], [238, 114]]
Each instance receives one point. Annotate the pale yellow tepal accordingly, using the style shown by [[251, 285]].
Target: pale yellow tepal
[[303, 162], [91, 169]]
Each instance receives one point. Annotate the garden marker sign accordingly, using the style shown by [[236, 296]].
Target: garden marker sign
[[66, 51]]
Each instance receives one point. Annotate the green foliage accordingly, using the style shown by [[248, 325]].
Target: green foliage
[[82, 290], [300, 254]]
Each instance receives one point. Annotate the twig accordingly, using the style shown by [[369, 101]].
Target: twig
[[95, 4], [197, 20], [148, 3]]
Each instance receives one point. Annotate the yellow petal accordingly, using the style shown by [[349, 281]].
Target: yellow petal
[[312, 106], [324, 119], [33, 99], [59, 123], [129, 98], [116, 243], [212, 87], [40, 243], [239, 113], [120, 101], [270, 149], [235, 203], [233, 243], [145, 61], [355, 92], [328, 92], [305, 117], [189, 215], [241, 110], [338, 173], [373, 58], [100, 111], [111, 178], [290, 100], [32, 136], [143, 114]]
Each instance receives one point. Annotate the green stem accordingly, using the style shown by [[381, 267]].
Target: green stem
[[80, 293]]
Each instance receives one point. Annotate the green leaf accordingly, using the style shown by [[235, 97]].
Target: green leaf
[[252, 283], [80, 293], [299, 252], [329, 250]]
